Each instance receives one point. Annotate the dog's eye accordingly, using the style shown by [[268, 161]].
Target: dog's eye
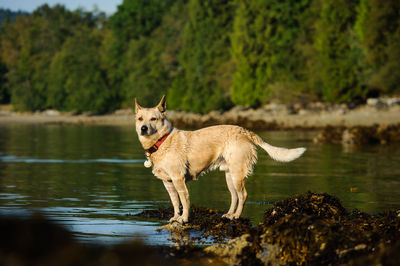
[[153, 119], [140, 118]]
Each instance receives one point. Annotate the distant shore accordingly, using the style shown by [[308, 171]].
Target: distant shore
[[377, 111]]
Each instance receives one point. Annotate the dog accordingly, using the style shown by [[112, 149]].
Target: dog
[[178, 156]]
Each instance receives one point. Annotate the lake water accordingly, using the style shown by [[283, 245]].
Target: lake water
[[89, 178]]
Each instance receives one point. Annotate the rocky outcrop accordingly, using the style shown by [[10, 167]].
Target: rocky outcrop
[[315, 229], [306, 229], [233, 252]]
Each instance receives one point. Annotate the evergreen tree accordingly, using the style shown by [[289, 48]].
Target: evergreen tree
[[4, 94], [77, 81], [152, 61], [131, 25], [28, 46], [338, 52], [199, 86], [379, 27], [204, 54], [20, 54], [7, 16], [264, 47], [136, 18]]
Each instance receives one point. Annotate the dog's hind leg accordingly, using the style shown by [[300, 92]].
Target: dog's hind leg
[[240, 158], [173, 194], [234, 196], [181, 188], [238, 183]]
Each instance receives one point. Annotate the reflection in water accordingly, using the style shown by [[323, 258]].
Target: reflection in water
[[88, 178]]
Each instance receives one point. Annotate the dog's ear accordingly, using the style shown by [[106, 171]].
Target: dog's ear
[[137, 106], [162, 106]]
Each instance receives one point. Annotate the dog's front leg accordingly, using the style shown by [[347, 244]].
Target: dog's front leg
[[181, 188], [173, 194]]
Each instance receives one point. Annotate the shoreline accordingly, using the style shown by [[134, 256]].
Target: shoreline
[[381, 111]]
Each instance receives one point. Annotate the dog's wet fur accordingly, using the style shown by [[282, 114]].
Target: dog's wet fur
[[184, 155]]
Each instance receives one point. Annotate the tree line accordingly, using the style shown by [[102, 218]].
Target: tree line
[[203, 54]]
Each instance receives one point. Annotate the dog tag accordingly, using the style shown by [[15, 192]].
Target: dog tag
[[147, 163]]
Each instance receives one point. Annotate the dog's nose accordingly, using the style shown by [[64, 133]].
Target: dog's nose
[[144, 128]]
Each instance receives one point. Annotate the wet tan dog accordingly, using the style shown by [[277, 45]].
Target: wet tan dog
[[178, 156]]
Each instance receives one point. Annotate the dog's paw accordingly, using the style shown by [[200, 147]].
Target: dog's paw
[[179, 219], [182, 219], [174, 219], [229, 216], [236, 216]]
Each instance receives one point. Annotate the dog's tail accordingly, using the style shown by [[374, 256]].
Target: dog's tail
[[276, 153]]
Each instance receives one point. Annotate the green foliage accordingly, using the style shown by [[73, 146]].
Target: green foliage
[[149, 77], [199, 86], [133, 56], [28, 47], [204, 55], [7, 16], [136, 18], [4, 93], [263, 47], [77, 81], [338, 53], [362, 16], [26, 59], [380, 31]]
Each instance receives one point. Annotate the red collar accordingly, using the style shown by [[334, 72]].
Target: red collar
[[155, 147]]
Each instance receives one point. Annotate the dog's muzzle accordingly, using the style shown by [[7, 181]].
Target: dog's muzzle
[[143, 130]]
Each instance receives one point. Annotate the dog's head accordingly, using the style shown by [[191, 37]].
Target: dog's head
[[151, 123]]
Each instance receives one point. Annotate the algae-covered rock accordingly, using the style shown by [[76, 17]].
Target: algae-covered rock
[[231, 252], [330, 134], [313, 204], [306, 229], [302, 239], [359, 135], [293, 240], [388, 133], [178, 228], [243, 250], [387, 255], [208, 222], [316, 229]]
